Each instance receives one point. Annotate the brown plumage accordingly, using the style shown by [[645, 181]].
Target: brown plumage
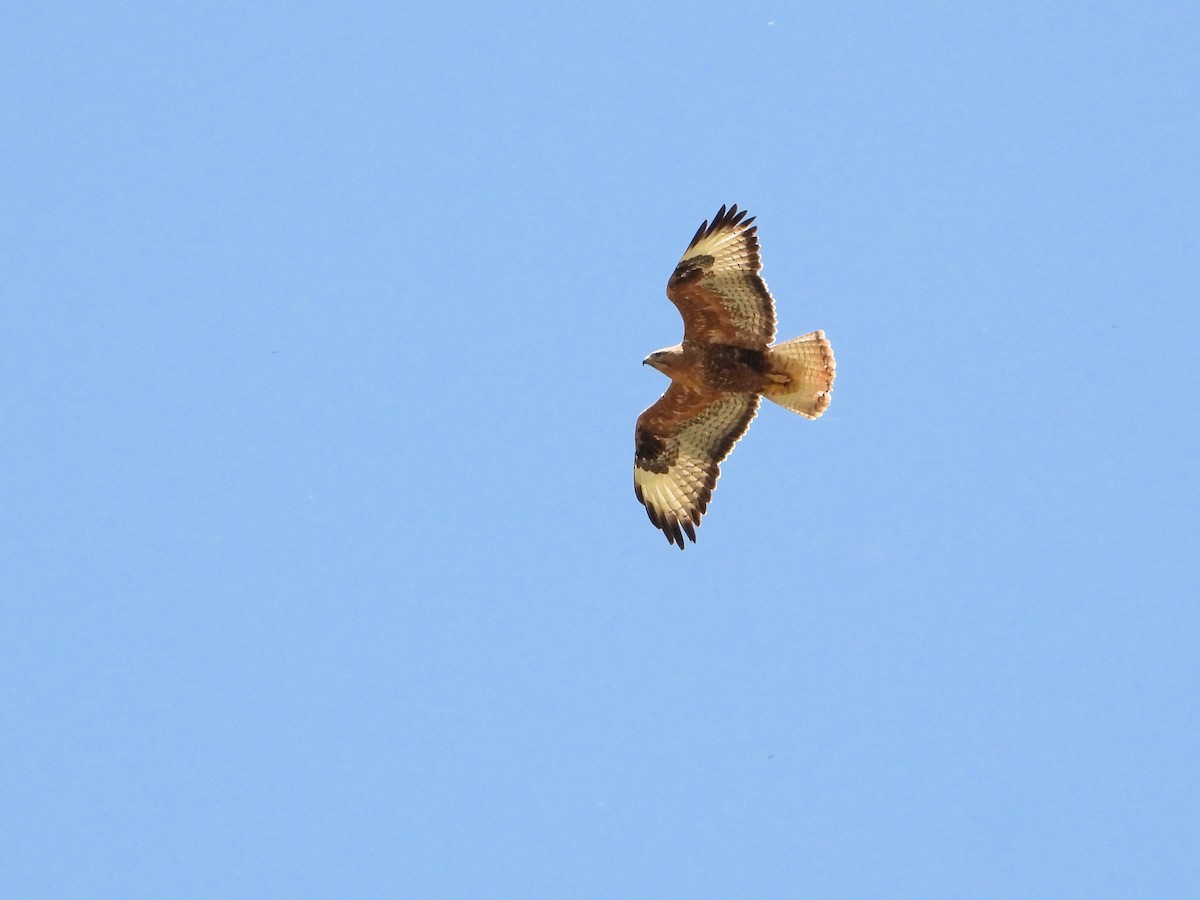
[[719, 371]]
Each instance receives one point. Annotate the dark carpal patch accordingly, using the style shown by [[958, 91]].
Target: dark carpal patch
[[690, 269], [650, 452]]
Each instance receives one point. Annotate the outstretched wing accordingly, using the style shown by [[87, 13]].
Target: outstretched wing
[[717, 288], [681, 441]]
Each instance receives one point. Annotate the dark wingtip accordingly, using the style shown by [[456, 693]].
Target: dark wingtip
[[726, 217], [674, 529]]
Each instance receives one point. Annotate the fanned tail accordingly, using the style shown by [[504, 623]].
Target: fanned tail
[[803, 371]]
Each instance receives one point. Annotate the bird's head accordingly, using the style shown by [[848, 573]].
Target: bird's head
[[664, 359]]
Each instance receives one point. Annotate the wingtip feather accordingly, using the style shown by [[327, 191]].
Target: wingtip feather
[[730, 218]]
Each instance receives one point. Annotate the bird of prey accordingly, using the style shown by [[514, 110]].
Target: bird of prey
[[725, 363]]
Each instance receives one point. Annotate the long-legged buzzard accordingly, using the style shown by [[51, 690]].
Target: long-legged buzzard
[[724, 364]]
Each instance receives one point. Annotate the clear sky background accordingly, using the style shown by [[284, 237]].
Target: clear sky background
[[320, 351]]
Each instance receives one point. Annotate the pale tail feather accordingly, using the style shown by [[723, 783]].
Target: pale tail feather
[[807, 363]]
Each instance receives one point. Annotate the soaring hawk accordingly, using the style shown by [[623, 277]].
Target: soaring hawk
[[719, 371]]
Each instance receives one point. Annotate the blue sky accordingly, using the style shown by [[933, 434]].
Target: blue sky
[[321, 570]]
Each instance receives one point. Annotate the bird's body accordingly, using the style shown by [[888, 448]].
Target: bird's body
[[718, 372], [722, 368]]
